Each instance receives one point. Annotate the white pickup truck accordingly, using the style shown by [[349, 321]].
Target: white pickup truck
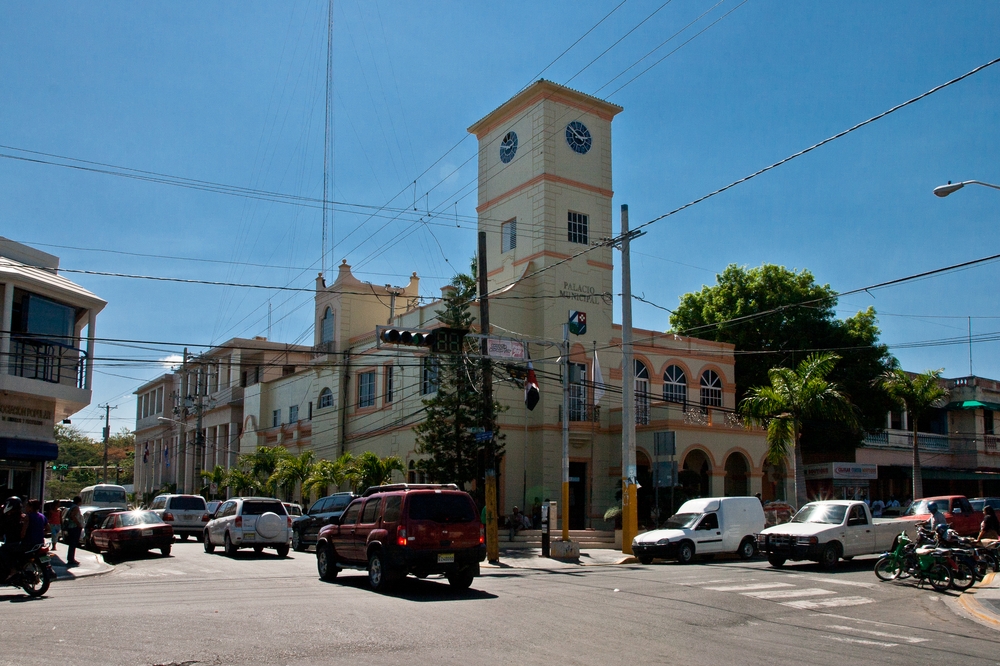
[[826, 531]]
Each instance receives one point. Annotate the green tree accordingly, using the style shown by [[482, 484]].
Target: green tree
[[445, 436], [327, 473], [792, 397], [369, 470], [293, 470], [262, 463], [242, 482], [784, 315], [916, 394]]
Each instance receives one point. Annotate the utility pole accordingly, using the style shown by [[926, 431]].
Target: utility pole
[[630, 518], [492, 534], [564, 509], [107, 434]]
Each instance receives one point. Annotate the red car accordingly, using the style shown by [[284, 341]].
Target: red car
[[957, 511], [133, 532]]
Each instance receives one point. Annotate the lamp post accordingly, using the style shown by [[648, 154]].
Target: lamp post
[[945, 190]]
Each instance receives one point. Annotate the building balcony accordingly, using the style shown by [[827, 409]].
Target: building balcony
[[901, 439], [581, 413], [37, 358], [647, 412]]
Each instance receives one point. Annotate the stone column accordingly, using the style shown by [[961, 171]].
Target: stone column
[[717, 482], [5, 327]]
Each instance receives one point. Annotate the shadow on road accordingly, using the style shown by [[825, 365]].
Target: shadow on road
[[416, 589]]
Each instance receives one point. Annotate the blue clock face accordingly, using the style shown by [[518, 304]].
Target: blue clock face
[[508, 147], [578, 137]]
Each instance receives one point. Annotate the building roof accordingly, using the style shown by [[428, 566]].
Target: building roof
[[48, 282], [538, 90]]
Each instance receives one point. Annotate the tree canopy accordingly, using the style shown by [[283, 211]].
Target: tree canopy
[[787, 315]]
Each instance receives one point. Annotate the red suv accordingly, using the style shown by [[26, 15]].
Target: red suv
[[395, 530]]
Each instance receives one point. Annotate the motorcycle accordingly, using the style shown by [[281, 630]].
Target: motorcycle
[[33, 571], [907, 559]]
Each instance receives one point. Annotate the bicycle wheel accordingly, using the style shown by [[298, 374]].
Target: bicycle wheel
[[887, 568], [939, 577], [963, 576]]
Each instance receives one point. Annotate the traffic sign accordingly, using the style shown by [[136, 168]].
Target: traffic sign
[[484, 436]]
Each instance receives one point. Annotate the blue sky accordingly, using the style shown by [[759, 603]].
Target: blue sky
[[233, 93]]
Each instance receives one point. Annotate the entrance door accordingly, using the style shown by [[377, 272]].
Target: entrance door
[[577, 495]]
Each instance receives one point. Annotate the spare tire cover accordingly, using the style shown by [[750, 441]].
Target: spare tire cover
[[269, 524]]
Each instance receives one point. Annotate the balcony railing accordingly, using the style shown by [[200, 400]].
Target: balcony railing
[[990, 443], [582, 413], [900, 439], [48, 361]]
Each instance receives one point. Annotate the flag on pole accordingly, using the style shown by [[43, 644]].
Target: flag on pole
[[598, 380], [166, 454], [145, 454], [531, 388]]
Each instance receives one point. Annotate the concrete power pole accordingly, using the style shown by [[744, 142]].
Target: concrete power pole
[[107, 435], [630, 518], [492, 533]]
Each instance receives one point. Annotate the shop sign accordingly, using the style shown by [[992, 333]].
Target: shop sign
[[844, 470]]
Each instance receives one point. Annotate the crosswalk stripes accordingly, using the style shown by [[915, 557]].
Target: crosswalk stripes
[[789, 594]]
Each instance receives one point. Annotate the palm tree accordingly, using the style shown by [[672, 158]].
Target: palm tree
[[327, 473], [292, 470], [242, 482], [794, 396], [916, 394], [369, 470], [218, 477], [262, 463]]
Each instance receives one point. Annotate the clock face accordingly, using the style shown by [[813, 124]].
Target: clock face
[[508, 147], [578, 137]]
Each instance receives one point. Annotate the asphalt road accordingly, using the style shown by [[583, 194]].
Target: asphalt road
[[209, 609]]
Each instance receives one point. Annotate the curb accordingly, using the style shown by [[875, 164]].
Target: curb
[[974, 608]]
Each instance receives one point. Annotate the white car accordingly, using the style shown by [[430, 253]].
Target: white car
[[250, 522], [705, 526], [187, 514]]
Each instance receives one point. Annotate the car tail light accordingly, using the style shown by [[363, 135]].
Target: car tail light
[[168, 516], [401, 536], [204, 517], [482, 535], [239, 521]]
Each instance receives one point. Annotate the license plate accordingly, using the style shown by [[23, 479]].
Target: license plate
[[44, 559], [148, 532], [249, 537], [446, 558]]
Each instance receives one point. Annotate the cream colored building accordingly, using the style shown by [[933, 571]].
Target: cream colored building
[[545, 190]]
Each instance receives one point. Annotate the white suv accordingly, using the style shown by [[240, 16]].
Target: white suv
[[243, 522], [187, 514]]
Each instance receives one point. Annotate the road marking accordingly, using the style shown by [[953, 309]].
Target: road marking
[[720, 581], [808, 604], [747, 588], [834, 581], [861, 641], [789, 594], [880, 634]]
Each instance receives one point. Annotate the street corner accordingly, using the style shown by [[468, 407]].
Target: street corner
[[90, 564], [981, 603]]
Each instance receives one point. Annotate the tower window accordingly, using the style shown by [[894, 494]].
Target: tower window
[[578, 228], [508, 235], [326, 327]]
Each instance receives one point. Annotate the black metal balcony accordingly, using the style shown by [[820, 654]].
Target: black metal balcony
[[38, 358]]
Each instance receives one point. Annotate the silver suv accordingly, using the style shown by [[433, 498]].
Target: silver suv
[[187, 514], [243, 522]]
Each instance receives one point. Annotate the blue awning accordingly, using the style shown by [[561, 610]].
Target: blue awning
[[27, 449]]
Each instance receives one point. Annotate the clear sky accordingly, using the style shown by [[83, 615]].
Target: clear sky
[[233, 93]]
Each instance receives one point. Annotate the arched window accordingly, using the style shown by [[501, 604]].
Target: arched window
[[711, 389], [674, 385], [641, 393], [325, 398], [737, 483], [326, 327]]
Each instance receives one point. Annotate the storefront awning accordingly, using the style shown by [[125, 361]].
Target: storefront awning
[[27, 449], [973, 404]]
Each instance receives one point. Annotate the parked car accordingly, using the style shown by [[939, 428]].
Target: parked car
[[187, 514], [324, 511], [130, 532], [93, 518], [401, 529], [243, 522], [979, 502], [705, 526], [292, 509], [213, 506], [957, 511]]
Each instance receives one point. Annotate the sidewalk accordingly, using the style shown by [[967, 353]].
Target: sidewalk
[[91, 564], [531, 558], [982, 602]]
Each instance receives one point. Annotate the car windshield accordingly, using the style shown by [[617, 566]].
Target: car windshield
[[977, 505], [339, 503], [832, 514], [140, 518], [257, 508], [921, 507], [106, 495], [293, 510], [682, 521], [187, 504], [443, 508]]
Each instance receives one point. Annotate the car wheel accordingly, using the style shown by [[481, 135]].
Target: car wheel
[[282, 550], [685, 552], [461, 579], [165, 551], [112, 554], [297, 542], [230, 546], [378, 574], [326, 564], [829, 556], [207, 541], [776, 561], [748, 548], [646, 559]]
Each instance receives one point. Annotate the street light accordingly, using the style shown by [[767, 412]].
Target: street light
[[945, 190]]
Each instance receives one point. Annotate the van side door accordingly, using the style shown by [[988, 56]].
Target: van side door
[[708, 534]]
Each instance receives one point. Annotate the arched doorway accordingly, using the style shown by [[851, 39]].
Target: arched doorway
[[737, 475], [695, 474], [644, 496], [773, 483]]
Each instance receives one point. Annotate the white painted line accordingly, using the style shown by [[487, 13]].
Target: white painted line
[[808, 604], [834, 581], [880, 634], [721, 580], [747, 588], [861, 641], [789, 594]]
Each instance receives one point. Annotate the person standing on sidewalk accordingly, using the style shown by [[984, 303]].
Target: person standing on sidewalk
[[75, 520], [54, 518]]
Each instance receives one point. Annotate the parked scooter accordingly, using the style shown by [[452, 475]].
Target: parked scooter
[[33, 571], [907, 559]]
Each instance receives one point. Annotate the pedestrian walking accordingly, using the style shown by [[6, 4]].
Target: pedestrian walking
[[54, 518], [75, 519]]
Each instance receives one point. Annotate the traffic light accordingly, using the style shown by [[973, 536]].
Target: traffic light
[[448, 341], [406, 337], [438, 341]]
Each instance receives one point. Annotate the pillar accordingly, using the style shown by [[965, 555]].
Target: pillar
[[717, 483], [5, 327]]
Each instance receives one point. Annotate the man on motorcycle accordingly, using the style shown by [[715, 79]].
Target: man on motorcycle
[[937, 519], [15, 526]]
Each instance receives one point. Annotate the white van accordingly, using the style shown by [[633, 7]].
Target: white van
[[705, 526], [104, 495]]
